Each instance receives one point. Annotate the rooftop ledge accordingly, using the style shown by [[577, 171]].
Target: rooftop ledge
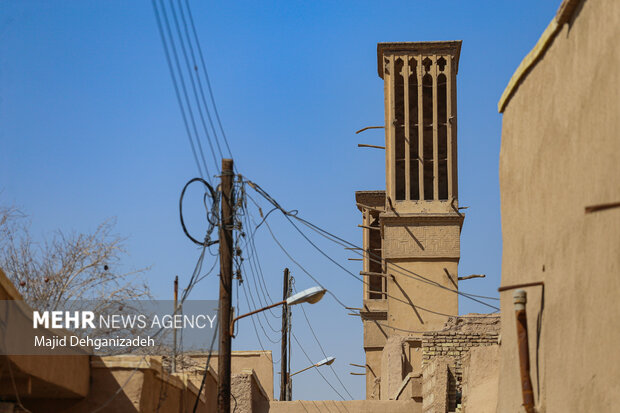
[[452, 47]]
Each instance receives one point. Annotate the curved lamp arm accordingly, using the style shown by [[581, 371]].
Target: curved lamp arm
[[311, 295]]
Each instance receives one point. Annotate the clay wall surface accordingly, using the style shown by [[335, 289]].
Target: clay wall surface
[[480, 379], [373, 374], [560, 154], [349, 406], [435, 380], [259, 361], [145, 387], [45, 376], [405, 290], [247, 395]]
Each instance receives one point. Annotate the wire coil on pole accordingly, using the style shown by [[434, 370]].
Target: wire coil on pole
[[211, 217]]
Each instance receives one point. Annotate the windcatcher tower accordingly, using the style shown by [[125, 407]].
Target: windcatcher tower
[[412, 229]]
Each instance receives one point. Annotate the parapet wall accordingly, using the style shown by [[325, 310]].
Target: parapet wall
[[350, 406]]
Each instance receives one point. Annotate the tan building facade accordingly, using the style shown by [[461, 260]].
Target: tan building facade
[[559, 174]]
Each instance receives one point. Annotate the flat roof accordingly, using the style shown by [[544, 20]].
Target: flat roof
[[452, 47]]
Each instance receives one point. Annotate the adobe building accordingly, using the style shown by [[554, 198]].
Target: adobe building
[[412, 229], [411, 239], [560, 206]]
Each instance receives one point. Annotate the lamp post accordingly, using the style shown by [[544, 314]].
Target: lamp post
[[325, 362], [311, 295]]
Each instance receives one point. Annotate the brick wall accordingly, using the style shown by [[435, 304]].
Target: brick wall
[[459, 335]]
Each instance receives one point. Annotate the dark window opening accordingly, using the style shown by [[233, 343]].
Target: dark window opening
[[414, 179], [375, 282], [427, 139], [442, 138], [441, 63], [399, 127]]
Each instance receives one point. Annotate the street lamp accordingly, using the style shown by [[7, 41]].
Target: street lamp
[[324, 362], [289, 390], [311, 295]]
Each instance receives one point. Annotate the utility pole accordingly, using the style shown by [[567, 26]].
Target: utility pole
[[283, 364], [226, 245], [174, 330], [289, 383]]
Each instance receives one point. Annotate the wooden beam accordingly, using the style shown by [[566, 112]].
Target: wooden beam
[[369, 227], [469, 277], [364, 145]]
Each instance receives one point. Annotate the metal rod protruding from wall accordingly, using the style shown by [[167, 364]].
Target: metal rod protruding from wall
[[520, 299]]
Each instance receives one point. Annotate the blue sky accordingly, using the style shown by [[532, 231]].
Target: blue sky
[[90, 129]]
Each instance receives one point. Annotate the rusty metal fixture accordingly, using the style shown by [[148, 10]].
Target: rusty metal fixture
[[520, 299]]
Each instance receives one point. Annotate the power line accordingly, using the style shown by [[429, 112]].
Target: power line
[[302, 267], [192, 82], [349, 272], [200, 88], [407, 273], [316, 369], [255, 268], [327, 234], [253, 307], [254, 256], [261, 303], [253, 323], [177, 93], [322, 349], [202, 382], [206, 75], [183, 87]]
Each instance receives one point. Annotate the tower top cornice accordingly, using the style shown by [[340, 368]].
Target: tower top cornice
[[451, 47]]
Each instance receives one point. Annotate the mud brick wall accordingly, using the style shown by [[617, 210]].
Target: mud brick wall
[[454, 341]]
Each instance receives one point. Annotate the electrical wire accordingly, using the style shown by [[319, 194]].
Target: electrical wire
[[416, 306], [204, 377], [177, 93], [254, 256], [343, 305], [254, 306], [206, 75], [322, 349], [260, 343], [315, 368], [288, 215], [180, 77], [195, 68], [192, 81], [301, 267], [211, 215]]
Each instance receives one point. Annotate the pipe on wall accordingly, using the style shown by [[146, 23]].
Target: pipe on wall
[[520, 299]]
